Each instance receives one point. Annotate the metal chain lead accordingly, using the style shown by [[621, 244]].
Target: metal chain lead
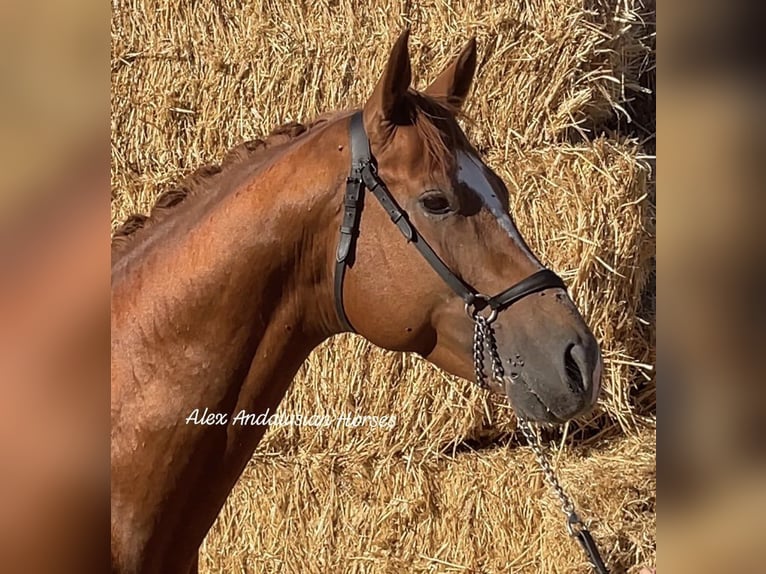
[[484, 339], [497, 364], [533, 439], [478, 353]]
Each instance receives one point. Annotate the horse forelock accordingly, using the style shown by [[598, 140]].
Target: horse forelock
[[435, 121]]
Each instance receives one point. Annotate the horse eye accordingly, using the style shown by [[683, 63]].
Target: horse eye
[[436, 203]]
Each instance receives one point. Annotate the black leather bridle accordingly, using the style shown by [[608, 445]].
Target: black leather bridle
[[364, 175]]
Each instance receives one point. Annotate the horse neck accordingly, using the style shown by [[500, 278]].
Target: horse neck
[[253, 258], [217, 312]]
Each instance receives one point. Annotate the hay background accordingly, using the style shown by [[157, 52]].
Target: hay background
[[448, 489]]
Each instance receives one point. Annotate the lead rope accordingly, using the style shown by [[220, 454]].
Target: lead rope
[[484, 340]]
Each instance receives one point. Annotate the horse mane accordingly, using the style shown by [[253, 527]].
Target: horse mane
[[434, 120], [252, 153]]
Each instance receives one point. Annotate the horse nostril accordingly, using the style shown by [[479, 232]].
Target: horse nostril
[[572, 369]]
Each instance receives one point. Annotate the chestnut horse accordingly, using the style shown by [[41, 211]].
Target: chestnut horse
[[222, 293]]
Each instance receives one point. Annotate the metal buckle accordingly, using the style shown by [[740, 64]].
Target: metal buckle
[[473, 312]]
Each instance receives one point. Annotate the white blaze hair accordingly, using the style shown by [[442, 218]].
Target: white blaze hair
[[471, 173]]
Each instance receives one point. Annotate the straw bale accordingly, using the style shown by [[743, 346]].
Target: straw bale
[[191, 80], [487, 511]]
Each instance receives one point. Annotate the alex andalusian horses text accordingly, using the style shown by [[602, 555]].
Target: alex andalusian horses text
[[223, 291]]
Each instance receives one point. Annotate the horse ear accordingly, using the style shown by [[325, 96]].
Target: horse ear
[[388, 101], [455, 81]]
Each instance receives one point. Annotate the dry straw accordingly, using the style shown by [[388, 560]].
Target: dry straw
[[472, 512], [447, 489]]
